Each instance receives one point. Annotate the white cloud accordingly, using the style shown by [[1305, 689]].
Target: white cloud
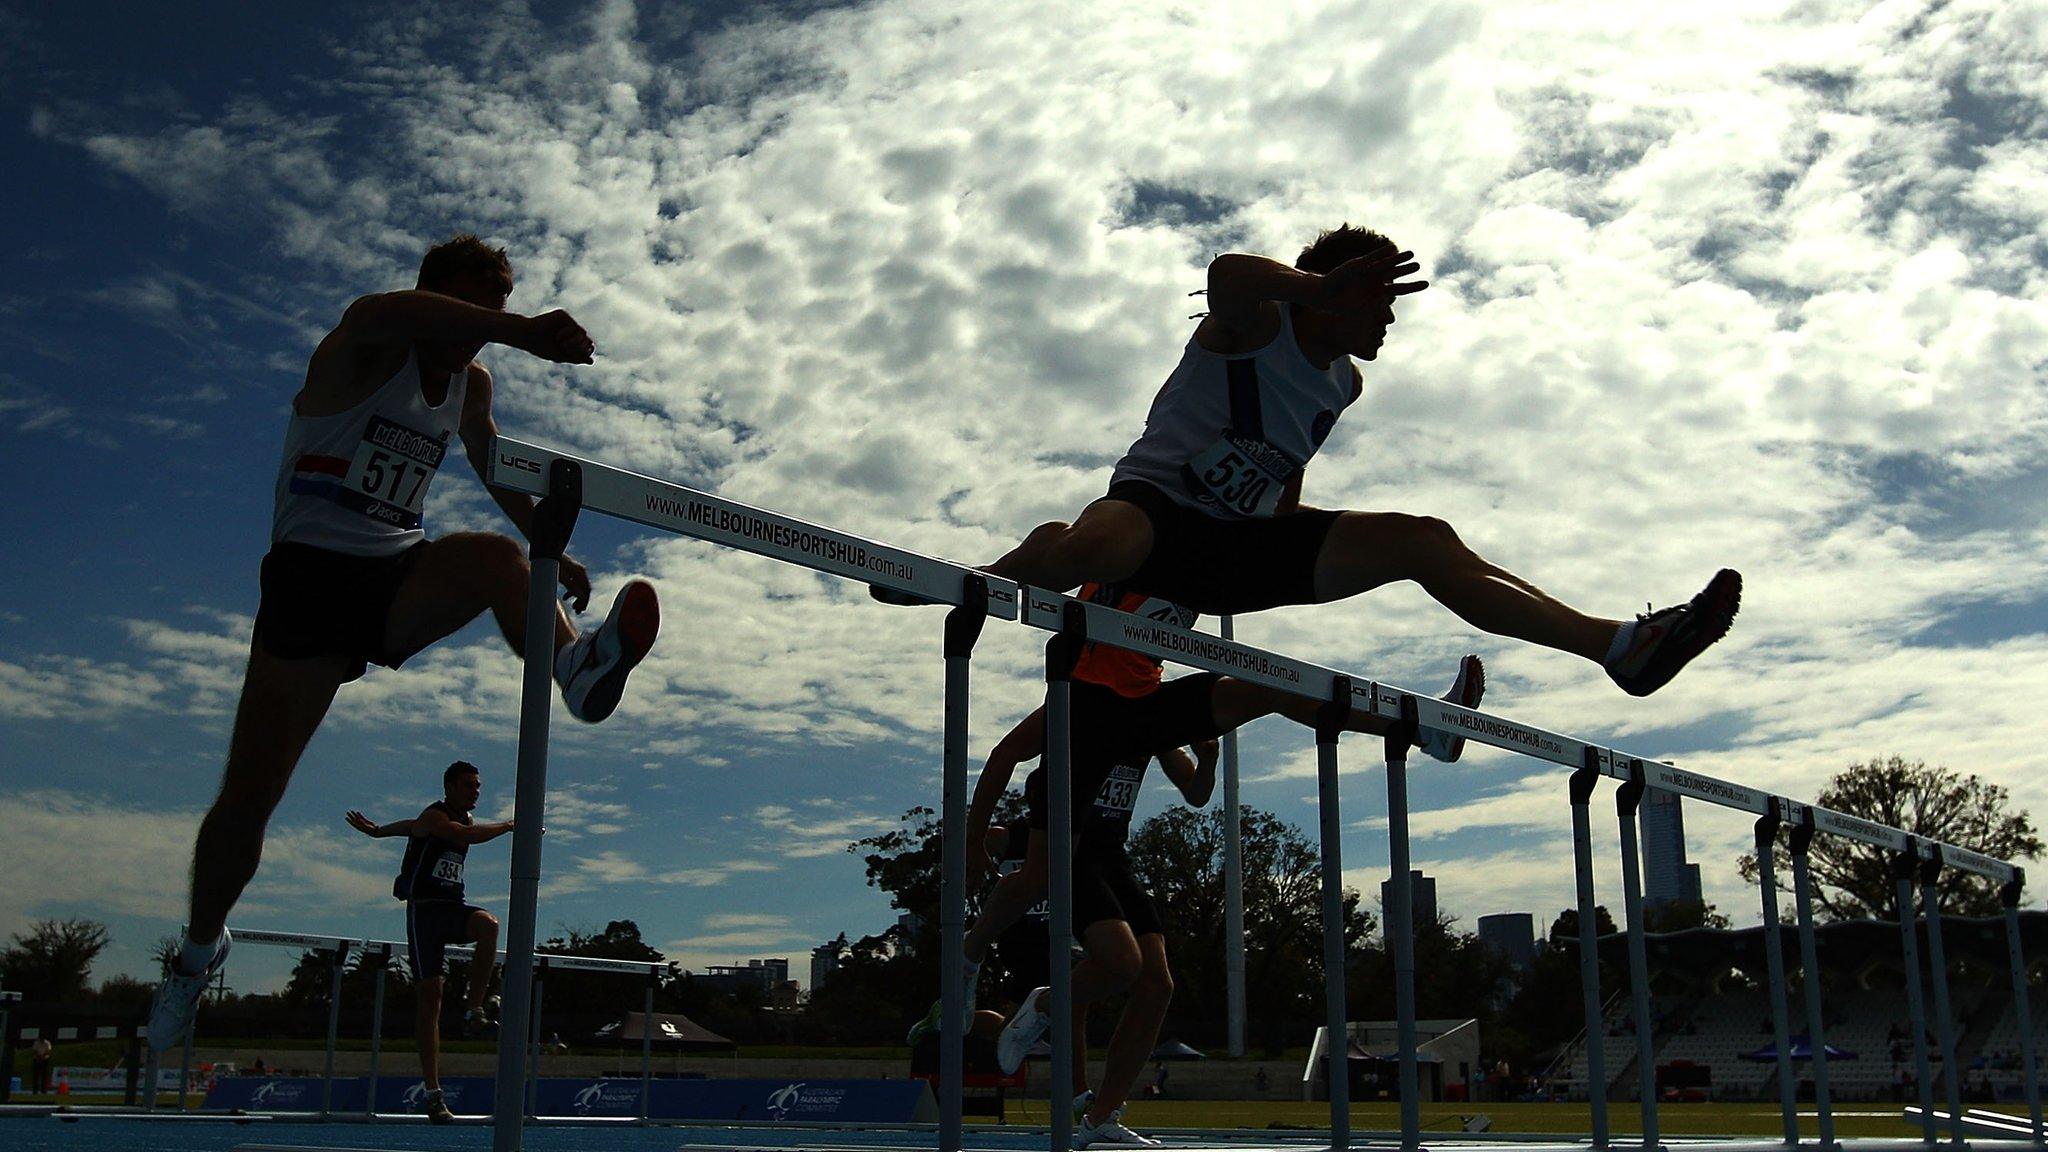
[[1741, 287]]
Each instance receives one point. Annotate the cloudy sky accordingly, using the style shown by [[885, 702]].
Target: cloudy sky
[[1757, 286]]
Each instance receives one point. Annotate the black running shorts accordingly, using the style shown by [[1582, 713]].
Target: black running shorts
[[1220, 567], [1108, 728], [430, 927], [318, 602], [1105, 888]]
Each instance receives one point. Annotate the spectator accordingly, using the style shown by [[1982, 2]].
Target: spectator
[[39, 1066], [1259, 1081]]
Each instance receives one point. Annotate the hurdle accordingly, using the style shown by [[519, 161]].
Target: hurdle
[[565, 484], [336, 950]]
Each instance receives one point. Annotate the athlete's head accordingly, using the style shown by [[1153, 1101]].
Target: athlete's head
[[463, 785], [1361, 333], [470, 270]]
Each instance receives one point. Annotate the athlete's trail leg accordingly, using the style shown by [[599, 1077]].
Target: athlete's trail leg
[[454, 579], [483, 932], [1109, 542], [1137, 1029], [1367, 549], [283, 702]]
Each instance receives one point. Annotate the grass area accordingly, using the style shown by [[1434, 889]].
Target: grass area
[[1760, 1118]]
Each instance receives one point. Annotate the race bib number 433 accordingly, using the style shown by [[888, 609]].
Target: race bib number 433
[[392, 468], [1119, 794]]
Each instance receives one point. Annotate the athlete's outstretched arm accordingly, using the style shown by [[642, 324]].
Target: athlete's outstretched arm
[[369, 827], [1240, 284], [1196, 778], [1024, 742], [476, 430], [434, 822], [388, 318]]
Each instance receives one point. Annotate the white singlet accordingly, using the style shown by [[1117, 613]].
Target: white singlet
[[355, 481], [1227, 433]]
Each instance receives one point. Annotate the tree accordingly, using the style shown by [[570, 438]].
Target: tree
[[584, 1001], [53, 961], [1853, 880], [1178, 855], [1679, 915]]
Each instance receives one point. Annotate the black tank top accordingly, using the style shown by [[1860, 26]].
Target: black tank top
[[433, 867]]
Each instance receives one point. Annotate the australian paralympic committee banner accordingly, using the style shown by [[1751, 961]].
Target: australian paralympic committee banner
[[734, 1101]]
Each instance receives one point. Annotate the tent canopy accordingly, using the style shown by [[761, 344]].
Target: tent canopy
[[668, 1028], [1175, 1050]]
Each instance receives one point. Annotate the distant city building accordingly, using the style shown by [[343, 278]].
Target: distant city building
[[1511, 935], [1667, 876], [1422, 889], [824, 962], [764, 976]]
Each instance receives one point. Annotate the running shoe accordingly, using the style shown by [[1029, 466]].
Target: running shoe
[[592, 668], [1664, 641], [883, 595], [177, 998], [1022, 1031], [437, 1107], [478, 1026], [1465, 692], [1082, 1104], [1110, 1132], [929, 1023]]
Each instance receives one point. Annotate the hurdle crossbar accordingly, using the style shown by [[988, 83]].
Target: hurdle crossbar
[[565, 484]]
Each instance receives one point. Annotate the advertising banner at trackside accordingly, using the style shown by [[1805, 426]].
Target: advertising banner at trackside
[[738, 1101]]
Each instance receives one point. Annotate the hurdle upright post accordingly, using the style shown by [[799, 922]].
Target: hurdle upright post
[[554, 520], [963, 628], [185, 1067], [1937, 965], [1233, 883], [1337, 1052], [1774, 965], [532, 1086], [1800, 842], [647, 1042], [1401, 928], [2016, 959], [337, 962], [7, 1002], [1628, 801], [1582, 782], [1905, 866], [1062, 652], [380, 955]]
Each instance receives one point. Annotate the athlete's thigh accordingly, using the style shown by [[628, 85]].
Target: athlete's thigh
[[1365, 550], [283, 702], [449, 584], [1110, 943], [1116, 535], [479, 925]]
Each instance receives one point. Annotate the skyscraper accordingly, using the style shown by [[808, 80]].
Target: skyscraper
[[1423, 890], [1511, 935], [1667, 876]]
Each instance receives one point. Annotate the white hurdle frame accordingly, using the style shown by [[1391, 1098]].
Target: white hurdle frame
[[338, 948], [565, 484]]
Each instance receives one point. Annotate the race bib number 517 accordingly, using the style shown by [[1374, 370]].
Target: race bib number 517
[[389, 475]]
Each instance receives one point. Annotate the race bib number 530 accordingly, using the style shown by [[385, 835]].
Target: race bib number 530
[[1244, 475]]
